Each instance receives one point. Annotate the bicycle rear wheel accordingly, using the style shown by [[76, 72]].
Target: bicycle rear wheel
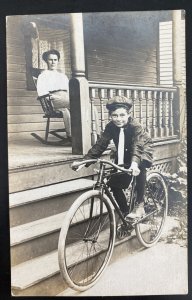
[[156, 205], [86, 240]]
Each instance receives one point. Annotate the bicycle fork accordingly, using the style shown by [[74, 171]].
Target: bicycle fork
[[93, 237]]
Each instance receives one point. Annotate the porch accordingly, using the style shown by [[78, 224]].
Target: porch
[[156, 108], [42, 185]]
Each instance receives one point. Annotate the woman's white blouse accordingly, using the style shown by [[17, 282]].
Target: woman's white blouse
[[49, 81]]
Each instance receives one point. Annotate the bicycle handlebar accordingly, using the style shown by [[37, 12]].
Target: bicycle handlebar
[[102, 161]]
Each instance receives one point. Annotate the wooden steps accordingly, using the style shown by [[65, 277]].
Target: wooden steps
[[39, 200], [36, 216], [36, 238], [36, 172], [27, 281], [36, 229]]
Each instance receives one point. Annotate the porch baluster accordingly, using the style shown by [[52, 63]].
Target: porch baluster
[[93, 122], [127, 93], [147, 111], [134, 97], [154, 131], [118, 92], [153, 107], [109, 93], [160, 118], [141, 97], [101, 93], [171, 114], [166, 112]]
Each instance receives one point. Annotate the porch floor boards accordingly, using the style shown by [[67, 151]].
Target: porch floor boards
[[30, 152]]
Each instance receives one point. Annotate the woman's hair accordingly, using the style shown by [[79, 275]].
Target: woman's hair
[[118, 102], [47, 53]]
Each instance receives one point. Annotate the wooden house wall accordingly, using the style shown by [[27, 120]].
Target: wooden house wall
[[122, 47], [25, 114], [166, 53], [118, 48]]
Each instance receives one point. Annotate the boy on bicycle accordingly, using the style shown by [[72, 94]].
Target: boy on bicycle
[[134, 151]]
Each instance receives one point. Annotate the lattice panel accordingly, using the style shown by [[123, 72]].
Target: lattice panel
[[163, 167]]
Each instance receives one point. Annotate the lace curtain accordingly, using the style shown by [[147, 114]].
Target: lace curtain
[[40, 39]]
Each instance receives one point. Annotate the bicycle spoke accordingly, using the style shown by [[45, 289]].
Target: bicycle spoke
[[89, 241], [155, 206]]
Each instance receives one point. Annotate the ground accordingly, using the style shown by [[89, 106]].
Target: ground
[[159, 270]]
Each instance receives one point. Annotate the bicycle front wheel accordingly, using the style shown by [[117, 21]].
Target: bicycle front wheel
[[155, 205], [86, 240]]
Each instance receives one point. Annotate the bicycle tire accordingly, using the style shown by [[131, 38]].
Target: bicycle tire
[[149, 231], [83, 270]]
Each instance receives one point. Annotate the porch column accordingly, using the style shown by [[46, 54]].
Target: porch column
[[178, 104], [79, 90]]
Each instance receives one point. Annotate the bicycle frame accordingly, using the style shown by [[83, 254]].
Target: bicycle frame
[[102, 186], [90, 226]]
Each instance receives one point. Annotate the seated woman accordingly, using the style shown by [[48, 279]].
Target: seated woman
[[55, 85]]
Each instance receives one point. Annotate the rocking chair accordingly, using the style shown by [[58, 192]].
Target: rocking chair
[[49, 113]]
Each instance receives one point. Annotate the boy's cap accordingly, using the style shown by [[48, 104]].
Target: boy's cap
[[119, 101]]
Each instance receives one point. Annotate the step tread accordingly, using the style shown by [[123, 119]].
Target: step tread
[[29, 231], [25, 274], [25, 197], [35, 229], [33, 271]]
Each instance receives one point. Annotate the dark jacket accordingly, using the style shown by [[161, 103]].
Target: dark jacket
[[138, 144]]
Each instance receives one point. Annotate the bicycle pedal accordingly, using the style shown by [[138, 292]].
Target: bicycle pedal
[[123, 231], [130, 220]]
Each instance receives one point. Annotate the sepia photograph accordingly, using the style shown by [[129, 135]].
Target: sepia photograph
[[97, 153]]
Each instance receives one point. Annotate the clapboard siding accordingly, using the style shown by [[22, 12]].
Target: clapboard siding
[[24, 110], [14, 68], [118, 54], [21, 101], [21, 93], [131, 68], [18, 59], [32, 127], [13, 39], [16, 76], [25, 114], [27, 118], [165, 53], [15, 51], [121, 48], [16, 84], [183, 53]]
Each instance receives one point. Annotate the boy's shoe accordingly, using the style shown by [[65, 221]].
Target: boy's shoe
[[137, 212], [125, 213]]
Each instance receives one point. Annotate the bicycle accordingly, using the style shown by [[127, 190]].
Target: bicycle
[[88, 232]]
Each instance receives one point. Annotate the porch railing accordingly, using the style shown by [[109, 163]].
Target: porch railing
[[152, 107]]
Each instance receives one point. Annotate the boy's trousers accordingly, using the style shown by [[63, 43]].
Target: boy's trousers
[[120, 181]]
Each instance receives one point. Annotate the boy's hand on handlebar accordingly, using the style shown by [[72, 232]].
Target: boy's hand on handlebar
[[134, 169], [76, 167]]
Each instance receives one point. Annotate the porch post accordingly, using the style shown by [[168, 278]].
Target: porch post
[[79, 90], [178, 104]]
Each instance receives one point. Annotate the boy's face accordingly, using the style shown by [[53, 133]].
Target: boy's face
[[120, 117]]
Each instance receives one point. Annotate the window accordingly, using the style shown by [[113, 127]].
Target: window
[[40, 39]]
